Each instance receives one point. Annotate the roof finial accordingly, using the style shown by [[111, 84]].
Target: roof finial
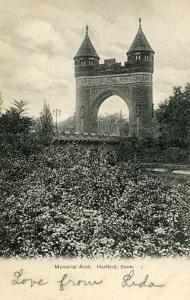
[[86, 29], [140, 22]]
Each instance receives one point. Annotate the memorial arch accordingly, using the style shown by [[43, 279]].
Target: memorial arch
[[132, 82]]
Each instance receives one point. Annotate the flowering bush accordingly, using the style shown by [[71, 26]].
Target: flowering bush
[[64, 201]]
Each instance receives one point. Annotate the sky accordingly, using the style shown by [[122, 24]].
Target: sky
[[39, 38]]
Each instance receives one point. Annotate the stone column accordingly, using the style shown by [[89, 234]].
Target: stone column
[[82, 108], [141, 94]]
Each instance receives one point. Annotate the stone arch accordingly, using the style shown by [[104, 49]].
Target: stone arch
[[134, 89], [102, 96]]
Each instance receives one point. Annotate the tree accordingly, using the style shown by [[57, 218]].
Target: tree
[[20, 106], [113, 124], [1, 103], [174, 117], [124, 126], [45, 126], [14, 121], [68, 125], [15, 130]]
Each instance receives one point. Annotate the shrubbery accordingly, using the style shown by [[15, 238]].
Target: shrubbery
[[71, 202], [155, 150]]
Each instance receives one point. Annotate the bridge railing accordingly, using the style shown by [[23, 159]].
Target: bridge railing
[[68, 136]]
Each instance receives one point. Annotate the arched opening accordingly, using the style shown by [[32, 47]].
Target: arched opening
[[113, 117]]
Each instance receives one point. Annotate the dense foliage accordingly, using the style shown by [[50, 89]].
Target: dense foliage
[[21, 134], [65, 201], [71, 202], [155, 150], [173, 117], [44, 126], [15, 131]]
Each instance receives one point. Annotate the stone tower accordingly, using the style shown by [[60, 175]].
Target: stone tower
[[132, 81]]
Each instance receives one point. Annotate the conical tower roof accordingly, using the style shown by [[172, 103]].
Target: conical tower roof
[[140, 42], [86, 48]]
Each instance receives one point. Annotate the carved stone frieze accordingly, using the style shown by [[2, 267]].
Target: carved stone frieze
[[114, 79]]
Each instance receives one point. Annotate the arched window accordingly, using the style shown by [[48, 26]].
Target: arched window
[[137, 57], [91, 61], [82, 62]]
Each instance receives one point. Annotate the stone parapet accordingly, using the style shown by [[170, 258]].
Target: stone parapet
[[114, 69]]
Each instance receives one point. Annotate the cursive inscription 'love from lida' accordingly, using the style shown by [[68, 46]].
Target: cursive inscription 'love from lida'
[[129, 281]]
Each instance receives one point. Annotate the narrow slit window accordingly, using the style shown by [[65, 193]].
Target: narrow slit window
[[82, 62], [91, 61]]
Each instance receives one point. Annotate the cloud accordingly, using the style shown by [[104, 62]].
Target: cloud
[[40, 36], [164, 81], [112, 105], [37, 45], [170, 77], [55, 66], [5, 51], [31, 79]]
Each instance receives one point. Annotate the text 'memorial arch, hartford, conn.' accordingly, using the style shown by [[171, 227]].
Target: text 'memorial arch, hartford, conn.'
[[132, 81]]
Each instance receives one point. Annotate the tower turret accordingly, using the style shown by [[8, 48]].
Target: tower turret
[[86, 58], [140, 54]]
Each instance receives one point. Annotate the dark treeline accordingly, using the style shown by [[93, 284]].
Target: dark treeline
[[20, 132]]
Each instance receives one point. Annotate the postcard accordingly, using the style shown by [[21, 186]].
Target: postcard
[[94, 150]]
